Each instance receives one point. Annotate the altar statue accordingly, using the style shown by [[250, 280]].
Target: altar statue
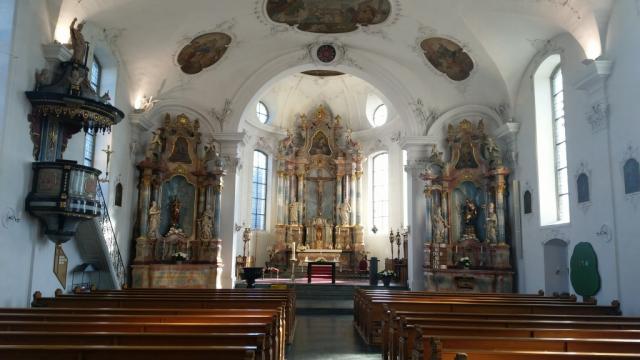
[[492, 224], [78, 44], [470, 213], [293, 213], [345, 210], [206, 222], [154, 221], [175, 212], [439, 226]]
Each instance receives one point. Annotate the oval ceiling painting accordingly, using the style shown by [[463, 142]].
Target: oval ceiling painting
[[328, 16], [448, 57], [203, 51]]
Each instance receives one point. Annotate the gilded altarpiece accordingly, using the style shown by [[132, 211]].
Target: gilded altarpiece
[[319, 192], [178, 243], [466, 247]]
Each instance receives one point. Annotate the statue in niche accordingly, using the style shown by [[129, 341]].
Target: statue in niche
[[469, 214], [206, 223], [78, 44], [293, 212], [175, 212], [154, 221], [439, 226], [492, 224], [345, 210]]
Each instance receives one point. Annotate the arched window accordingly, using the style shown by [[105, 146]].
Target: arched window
[[551, 143], [262, 112], [560, 145], [380, 115], [631, 176], [95, 79], [259, 191], [380, 191]]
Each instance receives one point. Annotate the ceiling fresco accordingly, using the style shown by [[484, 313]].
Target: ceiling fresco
[[328, 16], [448, 58], [203, 51]]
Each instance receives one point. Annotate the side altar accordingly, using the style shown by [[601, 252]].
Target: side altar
[[466, 247], [178, 226], [319, 193]]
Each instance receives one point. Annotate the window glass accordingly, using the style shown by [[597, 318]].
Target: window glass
[[380, 191], [262, 112], [560, 141], [259, 191], [380, 115]]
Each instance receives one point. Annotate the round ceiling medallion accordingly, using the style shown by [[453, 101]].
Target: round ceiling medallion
[[326, 53]]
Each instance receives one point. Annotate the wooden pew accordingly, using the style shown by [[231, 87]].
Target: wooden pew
[[425, 333], [247, 294], [256, 340], [531, 355], [186, 329], [408, 326], [371, 326], [202, 302], [436, 345], [94, 352]]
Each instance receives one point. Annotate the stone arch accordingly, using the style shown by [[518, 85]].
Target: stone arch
[[391, 88]]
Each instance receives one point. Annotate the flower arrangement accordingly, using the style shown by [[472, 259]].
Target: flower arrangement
[[180, 256], [464, 262], [387, 273]]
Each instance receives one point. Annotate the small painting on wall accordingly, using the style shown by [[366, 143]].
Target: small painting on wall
[[631, 176], [60, 263], [448, 57], [527, 202], [583, 188]]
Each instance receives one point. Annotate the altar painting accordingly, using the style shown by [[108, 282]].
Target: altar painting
[[328, 16], [324, 197], [178, 195]]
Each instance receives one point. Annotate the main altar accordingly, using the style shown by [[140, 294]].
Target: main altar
[[466, 248], [178, 226], [319, 193]]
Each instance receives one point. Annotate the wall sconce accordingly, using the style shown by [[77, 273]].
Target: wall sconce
[[238, 227], [604, 233], [10, 216], [374, 229]]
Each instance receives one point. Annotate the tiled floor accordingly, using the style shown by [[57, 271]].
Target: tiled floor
[[329, 337]]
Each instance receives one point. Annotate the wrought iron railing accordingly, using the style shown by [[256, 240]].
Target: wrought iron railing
[[109, 236]]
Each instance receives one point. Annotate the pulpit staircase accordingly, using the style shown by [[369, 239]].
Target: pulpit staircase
[[98, 245]]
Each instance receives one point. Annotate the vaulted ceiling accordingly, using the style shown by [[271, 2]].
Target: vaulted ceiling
[[501, 36]]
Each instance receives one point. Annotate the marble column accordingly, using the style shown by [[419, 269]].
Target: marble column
[[144, 201], [358, 209]]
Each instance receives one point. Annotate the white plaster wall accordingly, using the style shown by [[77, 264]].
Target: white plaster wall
[[623, 47], [600, 153], [26, 254]]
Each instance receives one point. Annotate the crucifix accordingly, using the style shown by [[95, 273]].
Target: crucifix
[[107, 151], [319, 194]]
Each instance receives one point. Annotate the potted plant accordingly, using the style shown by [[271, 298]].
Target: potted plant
[[179, 257], [386, 276]]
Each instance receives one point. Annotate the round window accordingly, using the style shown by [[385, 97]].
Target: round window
[[262, 112]]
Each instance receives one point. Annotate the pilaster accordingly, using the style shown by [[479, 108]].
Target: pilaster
[[417, 148], [230, 149]]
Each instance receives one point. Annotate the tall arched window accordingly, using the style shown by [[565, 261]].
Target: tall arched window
[[560, 145], [95, 77], [551, 144], [259, 191], [380, 191]]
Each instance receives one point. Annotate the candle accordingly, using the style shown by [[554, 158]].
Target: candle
[[293, 251]]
